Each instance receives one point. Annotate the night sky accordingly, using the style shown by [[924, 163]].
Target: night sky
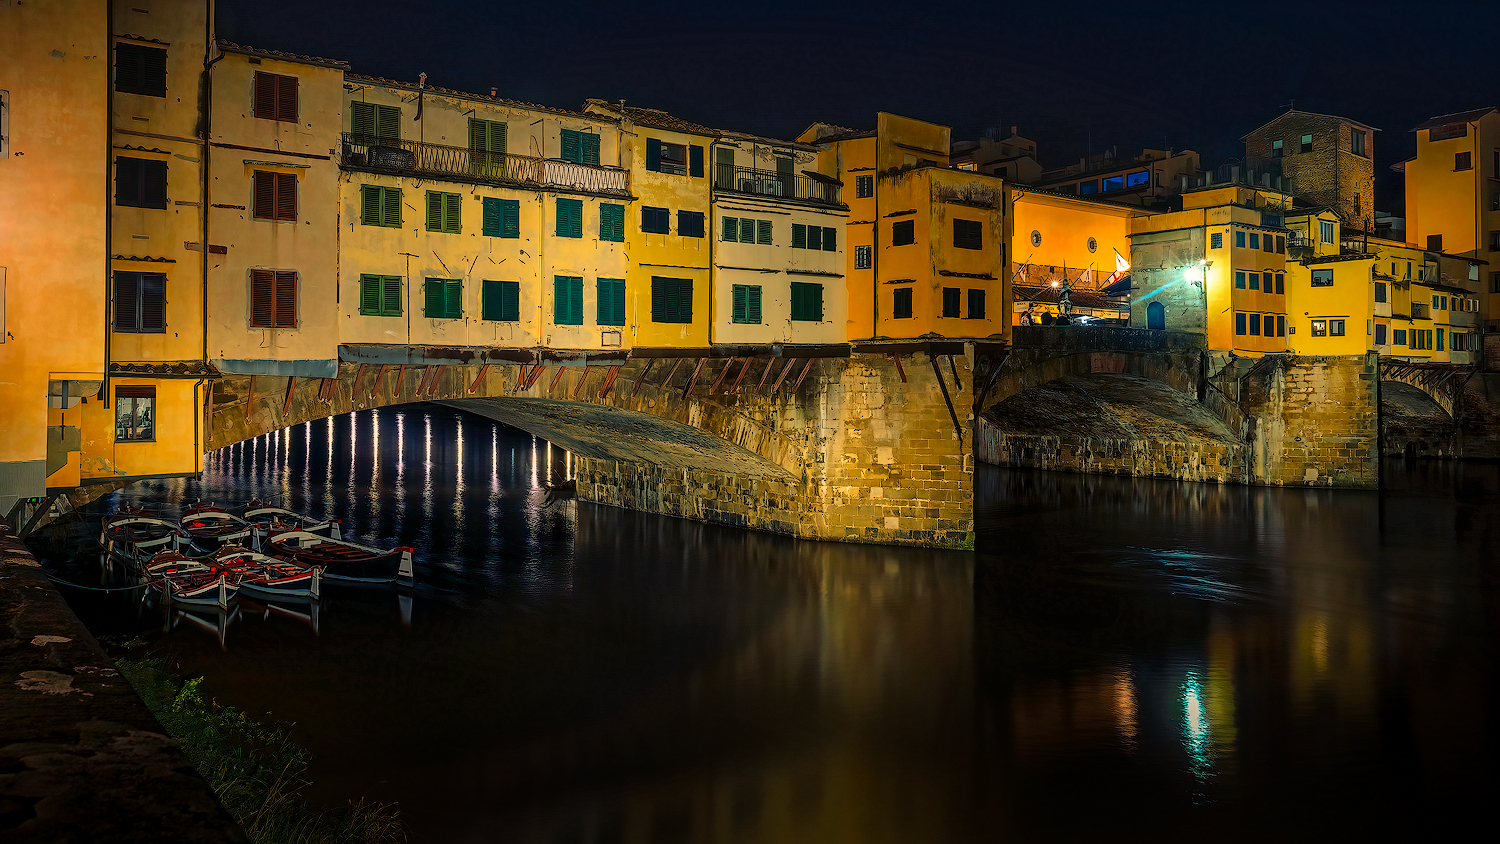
[[1070, 75]]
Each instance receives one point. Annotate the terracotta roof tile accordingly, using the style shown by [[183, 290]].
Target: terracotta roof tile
[[452, 92], [231, 47]]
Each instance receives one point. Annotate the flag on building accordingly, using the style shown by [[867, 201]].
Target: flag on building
[[1122, 266]]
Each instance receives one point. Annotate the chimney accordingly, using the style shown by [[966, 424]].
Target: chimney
[[492, 90]]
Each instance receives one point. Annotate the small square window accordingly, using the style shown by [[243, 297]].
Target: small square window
[[1336, 328], [1276, 149], [903, 232], [976, 304], [968, 234], [1254, 240], [901, 303], [1216, 240], [864, 186], [1322, 278], [140, 70], [1254, 279], [135, 413], [1239, 239], [864, 255], [1306, 144], [1319, 328], [952, 302], [1357, 142], [1463, 161], [655, 220]]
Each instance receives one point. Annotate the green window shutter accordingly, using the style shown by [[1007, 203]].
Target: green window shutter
[[737, 304], [498, 138], [590, 148], [571, 147], [453, 299], [510, 218], [730, 228], [434, 211], [361, 119], [490, 223], [575, 298], [762, 231], [390, 207], [388, 124], [799, 236], [671, 299], [369, 295], [814, 237], [567, 300], [569, 217], [432, 298], [611, 222], [479, 135], [747, 230], [695, 161], [830, 240], [653, 154], [452, 210], [807, 302], [369, 204], [611, 301], [500, 301], [489, 300], [390, 295], [752, 305]]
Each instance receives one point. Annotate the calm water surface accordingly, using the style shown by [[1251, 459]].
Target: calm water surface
[[1121, 660]]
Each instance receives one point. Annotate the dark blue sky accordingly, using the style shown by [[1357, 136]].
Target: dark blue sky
[[1196, 75]]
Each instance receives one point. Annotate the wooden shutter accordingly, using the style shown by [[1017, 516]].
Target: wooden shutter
[[286, 196], [387, 121], [153, 184], [286, 99], [434, 211], [265, 195], [127, 301], [695, 161], [128, 181], [362, 119], [433, 304], [390, 295], [590, 148], [390, 207], [153, 302], [511, 218], [369, 204], [653, 155], [127, 68], [569, 218], [286, 300], [830, 240], [489, 300], [452, 209], [571, 146], [262, 299], [567, 309], [752, 305], [611, 301], [479, 135], [369, 294], [141, 182], [453, 299], [747, 230], [611, 222], [814, 237], [490, 220], [265, 95], [659, 300], [737, 305], [799, 236], [763, 231], [730, 228]]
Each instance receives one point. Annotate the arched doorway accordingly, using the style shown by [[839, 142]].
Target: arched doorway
[[1156, 316]]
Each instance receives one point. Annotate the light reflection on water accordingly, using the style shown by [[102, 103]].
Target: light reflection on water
[[1127, 660]]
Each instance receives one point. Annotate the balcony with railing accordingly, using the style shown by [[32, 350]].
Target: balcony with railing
[[404, 157], [824, 191]]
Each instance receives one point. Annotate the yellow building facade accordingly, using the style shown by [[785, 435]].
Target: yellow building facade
[[1059, 237]]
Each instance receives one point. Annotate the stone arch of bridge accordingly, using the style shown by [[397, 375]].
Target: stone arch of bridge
[[1027, 368], [1439, 382]]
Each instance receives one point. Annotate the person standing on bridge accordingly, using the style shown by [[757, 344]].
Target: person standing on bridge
[[1028, 318]]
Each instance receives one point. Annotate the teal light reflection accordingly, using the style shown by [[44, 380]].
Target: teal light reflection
[[1195, 726]]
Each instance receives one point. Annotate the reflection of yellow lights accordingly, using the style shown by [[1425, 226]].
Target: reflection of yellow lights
[[1125, 710], [1320, 644]]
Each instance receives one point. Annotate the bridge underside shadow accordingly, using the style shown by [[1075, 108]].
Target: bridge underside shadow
[[1112, 424], [1413, 424]]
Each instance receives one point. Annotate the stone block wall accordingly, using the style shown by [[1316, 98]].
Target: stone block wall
[[1331, 174], [1314, 421], [1201, 460]]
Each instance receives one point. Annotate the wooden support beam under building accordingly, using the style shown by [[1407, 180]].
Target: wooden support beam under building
[[770, 364], [722, 375], [556, 378], [693, 382], [609, 380], [802, 374], [291, 387], [642, 378], [250, 397], [739, 379], [375, 387], [581, 381], [478, 379], [782, 377], [897, 359]]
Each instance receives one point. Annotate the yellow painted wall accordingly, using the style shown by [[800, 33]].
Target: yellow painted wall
[[308, 245], [1064, 226], [175, 449], [773, 268], [847, 161], [53, 172]]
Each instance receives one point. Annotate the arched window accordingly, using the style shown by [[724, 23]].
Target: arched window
[[1156, 316]]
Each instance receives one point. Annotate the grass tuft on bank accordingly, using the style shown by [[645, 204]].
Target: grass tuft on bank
[[256, 770]]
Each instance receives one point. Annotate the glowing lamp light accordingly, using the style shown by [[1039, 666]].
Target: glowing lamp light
[[1054, 284]]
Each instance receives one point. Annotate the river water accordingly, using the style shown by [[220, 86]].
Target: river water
[[1120, 660]]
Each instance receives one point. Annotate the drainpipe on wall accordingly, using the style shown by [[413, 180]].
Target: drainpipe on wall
[[109, 208], [874, 246], [209, 60]]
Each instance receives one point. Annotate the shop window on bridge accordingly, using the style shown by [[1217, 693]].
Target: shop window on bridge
[[381, 206], [612, 222], [580, 147], [273, 299], [140, 70], [1380, 293], [140, 303], [968, 234], [1239, 239], [1268, 244], [1440, 340], [1156, 316], [443, 298], [500, 301], [1281, 283], [976, 304], [1253, 278], [1140, 178], [611, 301], [569, 217], [952, 302], [135, 413], [1281, 244], [1335, 328], [275, 196], [864, 186], [372, 122], [140, 182], [380, 295], [1319, 328], [502, 218], [1254, 320], [1398, 337], [1239, 324], [807, 302], [901, 303], [275, 97], [1280, 326], [1322, 278], [671, 299], [745, 304], [567, 300], [1380, 334], [1254, 240]]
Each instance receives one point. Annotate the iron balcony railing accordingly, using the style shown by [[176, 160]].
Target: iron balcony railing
[[771, 183], [390, 155]]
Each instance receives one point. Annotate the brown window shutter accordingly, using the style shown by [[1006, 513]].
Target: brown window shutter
[[135, 391], [265, 195], [265, 95], [286, 300], [286, 99], [286, 196], [153, 302], [262, 295], [127, 301]]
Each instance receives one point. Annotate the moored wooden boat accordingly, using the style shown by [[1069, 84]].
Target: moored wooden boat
[[341, 559], [210, 527], [136, 536], [207, 588]]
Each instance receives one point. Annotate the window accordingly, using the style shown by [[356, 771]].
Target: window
[[1459, 342], [1281, 283], [952, 302], [690, 224], [1239, 239], [1495, 241], [487, 145], [1216, 240], [864, 260], [580, 147], [745, 304], [1112, 183], [976, 304], [762, 232], [1280, 326], [968, 234], [1319, 328], [1380, 334], [656, 220], [1306, 144], [135, 413], [1276, 149], [671, 299], [1451, 130], [611, 307], [140, 303], [1239, 279], [1357, 142], [567, 300], [569, 217], [864, 186], [275, 196], [611, 222], [1254, 279], [1436, 302], [380, 295], [677, 159], [807, 302], [1281, 244], [275, 97], [140, 70], [1239, 324], [729, 229], [1462, 161], [1495, 282], [830, 239], [1336, 328], [443, 211], [815, 237], [1086, 188], [901, 303], [381, 206], [1440, 339], [1434, 244], [140, 182], [1254, 325], [273, 299], [500, 301], [1267, 245], [1380, 291], [1398, 337], [444, 299], [1327, 232], [904, 232], [1137, 179], [502, 217], [1254, 240], [374, 122], [1322, 278]]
